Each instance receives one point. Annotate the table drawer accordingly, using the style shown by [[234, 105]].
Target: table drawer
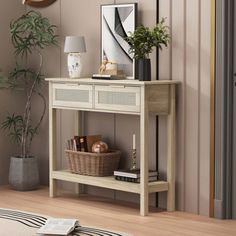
[[117, 98], [73, 95]]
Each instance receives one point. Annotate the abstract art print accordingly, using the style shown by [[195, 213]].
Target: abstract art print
[[116, 22]]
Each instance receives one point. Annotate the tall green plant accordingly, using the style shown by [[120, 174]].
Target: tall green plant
[[143, 39], [30, 34]]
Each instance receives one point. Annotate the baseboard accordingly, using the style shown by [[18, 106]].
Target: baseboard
[[218, 209]]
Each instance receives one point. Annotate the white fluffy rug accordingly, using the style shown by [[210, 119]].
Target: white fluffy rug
[[18, 223]]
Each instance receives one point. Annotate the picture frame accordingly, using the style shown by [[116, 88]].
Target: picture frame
[[117, 20]]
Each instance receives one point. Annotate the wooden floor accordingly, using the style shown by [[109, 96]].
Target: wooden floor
[[113, 215]]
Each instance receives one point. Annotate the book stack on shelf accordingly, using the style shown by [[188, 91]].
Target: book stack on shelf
[[134, 175], [82, 143], [108, 77]]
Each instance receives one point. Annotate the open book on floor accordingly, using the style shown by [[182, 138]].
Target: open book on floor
[[57, 226]]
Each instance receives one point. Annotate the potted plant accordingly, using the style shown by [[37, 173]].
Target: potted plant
[[30, 34], [141, 43]]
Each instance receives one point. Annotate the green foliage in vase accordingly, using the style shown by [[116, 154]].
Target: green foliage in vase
[[143, 40], [30, 34]]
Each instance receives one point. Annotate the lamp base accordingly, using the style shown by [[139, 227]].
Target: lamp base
[[74, 65]]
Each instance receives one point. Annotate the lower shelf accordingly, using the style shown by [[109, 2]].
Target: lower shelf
[[108, 182]]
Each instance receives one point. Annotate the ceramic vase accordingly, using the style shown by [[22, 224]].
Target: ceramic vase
[[74, 65]]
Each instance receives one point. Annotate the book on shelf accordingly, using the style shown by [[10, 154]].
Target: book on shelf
[[134, 173], [135, 180], [57, 226], [82, 143], [108, 77]]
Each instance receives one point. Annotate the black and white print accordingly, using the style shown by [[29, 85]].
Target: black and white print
[[117, 22]]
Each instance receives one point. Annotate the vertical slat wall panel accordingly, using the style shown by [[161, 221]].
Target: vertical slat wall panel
[[190, 64], [178, 73], [164, 73], [192, 106], [164, 55], [204, 177]]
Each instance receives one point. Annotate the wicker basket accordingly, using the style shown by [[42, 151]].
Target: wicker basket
[[93, 164]]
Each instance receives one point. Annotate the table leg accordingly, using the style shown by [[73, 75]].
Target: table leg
[[171, 152], [144, 121]]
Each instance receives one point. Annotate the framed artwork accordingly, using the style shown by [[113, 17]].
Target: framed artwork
[[116, 21]]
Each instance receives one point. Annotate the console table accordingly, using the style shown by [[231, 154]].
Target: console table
[[117, 96]]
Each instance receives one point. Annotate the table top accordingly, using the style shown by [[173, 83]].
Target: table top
[[118, 82]]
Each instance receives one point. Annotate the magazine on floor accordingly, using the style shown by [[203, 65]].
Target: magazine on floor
[[57, 226]]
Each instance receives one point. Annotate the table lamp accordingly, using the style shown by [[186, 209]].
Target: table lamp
[[74, 45]]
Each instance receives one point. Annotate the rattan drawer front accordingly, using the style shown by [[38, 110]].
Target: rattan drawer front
[[73, 95], [117, 98]]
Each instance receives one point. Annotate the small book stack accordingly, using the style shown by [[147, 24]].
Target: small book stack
[[134, 175], [108, 77]]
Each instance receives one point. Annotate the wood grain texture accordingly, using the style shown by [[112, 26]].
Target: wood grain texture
[[144, 153], [171, 151], [52, 144], [157, 98], [119, 216], [109, 182]]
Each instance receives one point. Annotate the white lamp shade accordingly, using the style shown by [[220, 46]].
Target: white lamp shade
[[74, 44]]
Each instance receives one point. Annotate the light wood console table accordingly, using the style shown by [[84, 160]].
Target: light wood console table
[[117, 96]]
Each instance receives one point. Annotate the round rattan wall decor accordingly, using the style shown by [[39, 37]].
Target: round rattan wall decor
[[38, 3]]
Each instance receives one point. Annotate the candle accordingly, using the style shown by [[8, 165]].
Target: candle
[[134, 141]]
